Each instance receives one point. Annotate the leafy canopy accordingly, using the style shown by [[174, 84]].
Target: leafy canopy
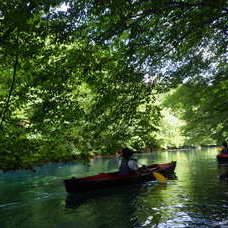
[[73, 81]]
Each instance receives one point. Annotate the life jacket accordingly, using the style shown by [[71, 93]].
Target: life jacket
[[225, 151]]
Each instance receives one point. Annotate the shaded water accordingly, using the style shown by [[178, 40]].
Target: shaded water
[[196, 199]]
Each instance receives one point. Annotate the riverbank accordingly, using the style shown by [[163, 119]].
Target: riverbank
[[18, 164]]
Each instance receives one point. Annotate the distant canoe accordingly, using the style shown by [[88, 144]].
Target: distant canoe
[[222, 158], [105, 180]]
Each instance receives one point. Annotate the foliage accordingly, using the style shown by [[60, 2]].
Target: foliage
[[171, 41], [170, 133], [204, 110], [73, 81]]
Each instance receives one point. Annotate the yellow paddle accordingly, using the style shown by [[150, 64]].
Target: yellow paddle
[[159, 177]]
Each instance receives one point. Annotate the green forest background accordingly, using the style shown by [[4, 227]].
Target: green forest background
[[80, 78]]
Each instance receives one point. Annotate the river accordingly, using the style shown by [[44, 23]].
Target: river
[[196, 199]]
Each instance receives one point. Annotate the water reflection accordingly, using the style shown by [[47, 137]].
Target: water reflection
[[76, 200], [197, 199], [223, 167], [119, 205]]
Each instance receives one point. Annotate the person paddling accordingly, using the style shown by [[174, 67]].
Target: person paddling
[[224, 149], [127, 164]]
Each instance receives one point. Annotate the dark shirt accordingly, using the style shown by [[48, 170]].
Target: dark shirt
[[124, 168], [128, 166]]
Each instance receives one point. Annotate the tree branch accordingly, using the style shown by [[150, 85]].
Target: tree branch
[[7, 104]]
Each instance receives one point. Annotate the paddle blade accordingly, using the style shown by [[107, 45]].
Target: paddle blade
[[159, 177]]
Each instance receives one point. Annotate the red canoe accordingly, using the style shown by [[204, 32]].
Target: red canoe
[[222, 158], [105, 180]]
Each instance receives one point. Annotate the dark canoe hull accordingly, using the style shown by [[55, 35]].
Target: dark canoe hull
[[222, 158], [107, 180]]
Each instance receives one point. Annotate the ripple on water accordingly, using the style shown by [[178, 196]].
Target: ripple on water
[[12, 205], [196, 199]]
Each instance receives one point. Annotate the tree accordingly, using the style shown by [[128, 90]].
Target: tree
[[204, 109], [78, 75], [171, 41]]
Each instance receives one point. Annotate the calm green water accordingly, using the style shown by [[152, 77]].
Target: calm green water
[[196, 199]]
